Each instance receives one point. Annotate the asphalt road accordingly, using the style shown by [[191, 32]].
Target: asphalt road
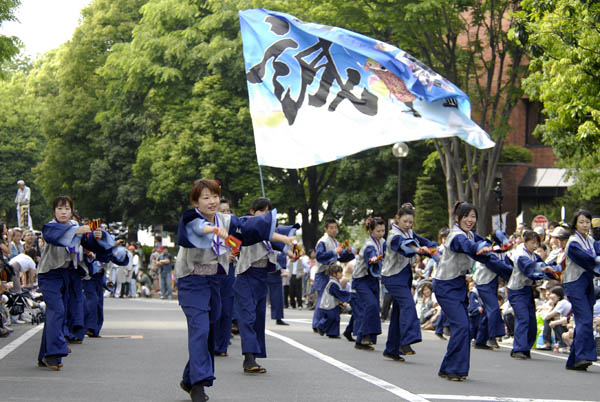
[[144, 348]]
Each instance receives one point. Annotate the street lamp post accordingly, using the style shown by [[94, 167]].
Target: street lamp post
[[400, 150], [499, 198]]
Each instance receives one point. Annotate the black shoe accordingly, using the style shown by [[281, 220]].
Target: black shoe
[[406, 350], [334, 336], [493, 343], [348, 336], [441, 336], [482, 346], [545, 347], [197, 393], [363, 347], [315, 330], [397, 358], [519, 356], [581, 365], [281, 322], [186, 387]]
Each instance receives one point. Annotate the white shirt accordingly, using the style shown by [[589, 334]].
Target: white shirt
[[23, 196], [24, 262]]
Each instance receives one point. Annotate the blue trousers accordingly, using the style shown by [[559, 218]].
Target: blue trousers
[[329, 322], [94, 303], [367, 301], [523, 306], [251, 302], [441, 322], [75, 302], [275, 286], [197, 300], [581, 295], [475, 321], [452, 297], [405, 328], [488, 294], [223, 324], [321, 279], [54, 285]]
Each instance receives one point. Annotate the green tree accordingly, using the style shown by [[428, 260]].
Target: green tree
[[84, 157], [563, 39], [431, 214], [21, 144], [9, 45]]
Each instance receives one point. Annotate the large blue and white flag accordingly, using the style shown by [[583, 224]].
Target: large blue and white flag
[[320, 93]]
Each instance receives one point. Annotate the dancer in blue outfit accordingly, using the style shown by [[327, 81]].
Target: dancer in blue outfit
[[275, 285], [403, 244], [224, 323], [486, 284], [529, 267], [203, 257], [365, 285], [333, 297], [328, 250], [449, 285], [582, 264], [250, 286], [63, 237]]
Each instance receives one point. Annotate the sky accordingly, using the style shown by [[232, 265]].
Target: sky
[[44, 24]]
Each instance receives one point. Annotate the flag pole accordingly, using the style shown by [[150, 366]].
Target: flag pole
[[262, 184]]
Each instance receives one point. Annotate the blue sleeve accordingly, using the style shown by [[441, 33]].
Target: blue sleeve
[[324, 256], [60, 234], [499, 267], [346, 256], [343, 295], [478, 239], [424, 242], [401, 245], [580, 257], [254, 229], [529, 268], [102, 247], [369, 253], [461, 244]]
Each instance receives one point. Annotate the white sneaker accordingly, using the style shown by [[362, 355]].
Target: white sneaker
[[15, 320]]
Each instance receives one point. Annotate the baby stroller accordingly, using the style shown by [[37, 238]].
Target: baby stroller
[[23, 303]]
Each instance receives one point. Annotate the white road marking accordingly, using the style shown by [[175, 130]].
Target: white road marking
[[404, 394], [491, 398], [19, 341], [537, 352]]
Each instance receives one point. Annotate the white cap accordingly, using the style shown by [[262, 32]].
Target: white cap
[[539, 230], [20, 182]]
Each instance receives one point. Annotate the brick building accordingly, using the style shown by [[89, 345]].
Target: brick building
[[526, 185]]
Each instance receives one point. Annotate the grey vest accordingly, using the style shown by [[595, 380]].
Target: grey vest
[[572, 270], [453, 264], [329, 301], [483, 275], [394, 262], [518, 280], [189, 259], [250, 254], [330, 245], [54, 257], [361, 268]]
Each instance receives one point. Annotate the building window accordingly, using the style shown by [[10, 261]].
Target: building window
[[533, 117]]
